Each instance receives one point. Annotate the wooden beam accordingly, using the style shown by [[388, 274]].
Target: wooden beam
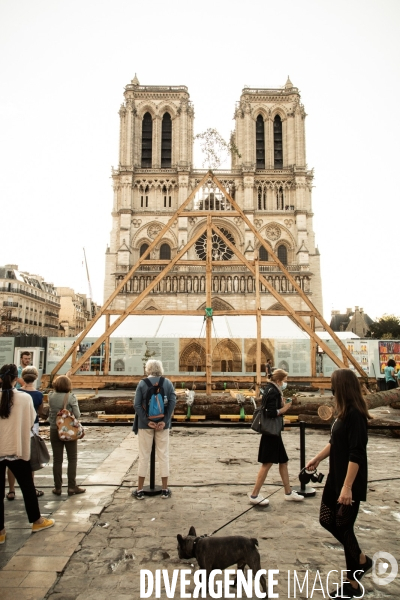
[[285, 304], [268, 247], [97, 381], [107, 348], [135, 303], [214, 213], [258, 323], [314, 348], [163, 311], [117, 290], [208, 305]]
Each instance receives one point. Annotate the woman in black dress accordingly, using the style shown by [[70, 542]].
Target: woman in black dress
[[346, 484], [271, 448]]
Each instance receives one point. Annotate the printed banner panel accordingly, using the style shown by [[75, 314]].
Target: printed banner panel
[[6, 351]]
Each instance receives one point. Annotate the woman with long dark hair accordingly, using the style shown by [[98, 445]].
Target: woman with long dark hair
[[17, 416], [346, 484], [271, 448]]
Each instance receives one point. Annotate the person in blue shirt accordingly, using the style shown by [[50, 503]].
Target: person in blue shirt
[[25, 361], [390, 374]]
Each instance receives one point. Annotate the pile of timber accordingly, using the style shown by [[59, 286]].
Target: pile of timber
[[311, 409], [321, 409]]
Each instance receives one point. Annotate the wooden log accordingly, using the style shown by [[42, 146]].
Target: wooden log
[[325, 412], [382, 398], [309, 405], [394, 432], [214, 405], [102, 403], [314, 419]]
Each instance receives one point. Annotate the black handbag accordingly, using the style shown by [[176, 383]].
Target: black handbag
[[265, 425], [40, 456]]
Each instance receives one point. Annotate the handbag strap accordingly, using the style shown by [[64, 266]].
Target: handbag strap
[[66, 397], [263, 403]]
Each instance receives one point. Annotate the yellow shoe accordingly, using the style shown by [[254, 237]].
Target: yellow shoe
[[44, 525], [2, 538]]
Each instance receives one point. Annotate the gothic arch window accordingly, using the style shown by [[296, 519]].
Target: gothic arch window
[[143, 249], [280, 199], [220, 251], [262, 253], [260, 143], [282, 254], [193, 358], [167, 197], [147, 140], [166, 141], [251, 365], [278, 149], [165, 252], [119, 365], [227, 357], [262, 198], [144, 196], [217, 304]]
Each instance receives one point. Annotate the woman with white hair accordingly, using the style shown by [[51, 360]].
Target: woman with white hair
[[153, 425]]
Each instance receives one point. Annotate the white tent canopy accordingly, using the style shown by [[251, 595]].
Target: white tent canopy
[[159, 326]]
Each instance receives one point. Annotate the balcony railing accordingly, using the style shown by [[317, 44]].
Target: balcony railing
[[6, 303], [29, 295], [223, 268]]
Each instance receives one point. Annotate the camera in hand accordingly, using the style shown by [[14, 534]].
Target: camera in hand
[[307, 475]]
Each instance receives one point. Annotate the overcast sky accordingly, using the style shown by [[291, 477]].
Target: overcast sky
[[64, 66]]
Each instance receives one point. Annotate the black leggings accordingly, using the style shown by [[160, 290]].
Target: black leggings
[[22, 471], [339, 520]]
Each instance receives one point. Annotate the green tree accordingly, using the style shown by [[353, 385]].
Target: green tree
[[386, 327]]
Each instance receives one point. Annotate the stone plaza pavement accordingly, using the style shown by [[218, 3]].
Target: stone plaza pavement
[[102, 539]]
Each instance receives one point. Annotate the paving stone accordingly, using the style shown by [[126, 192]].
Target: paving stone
[[71, 582], [39, 579], [12, 578], [37, 563], [24, 593]]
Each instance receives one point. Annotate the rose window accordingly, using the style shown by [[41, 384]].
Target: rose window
[[220, 251]]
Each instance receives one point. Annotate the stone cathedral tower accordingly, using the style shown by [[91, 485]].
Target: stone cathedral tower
[[269, 179]]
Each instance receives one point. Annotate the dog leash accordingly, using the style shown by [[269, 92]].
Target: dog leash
[[238, 516]]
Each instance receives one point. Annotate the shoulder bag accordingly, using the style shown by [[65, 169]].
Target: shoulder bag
[[69, 428], [266, 425], [40, 456]]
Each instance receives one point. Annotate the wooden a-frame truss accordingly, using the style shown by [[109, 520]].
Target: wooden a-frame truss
[[252, 265]]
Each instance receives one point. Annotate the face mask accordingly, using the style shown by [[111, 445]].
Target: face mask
[[284, 385]]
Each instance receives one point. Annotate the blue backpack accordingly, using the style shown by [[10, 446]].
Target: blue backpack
[[154, 401]]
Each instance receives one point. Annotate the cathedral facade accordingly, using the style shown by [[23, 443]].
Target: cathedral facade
[[269, 179]]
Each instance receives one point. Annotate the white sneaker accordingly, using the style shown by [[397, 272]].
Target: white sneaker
[[260, 500], [294, 497]]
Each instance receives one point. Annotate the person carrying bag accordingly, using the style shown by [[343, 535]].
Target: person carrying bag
[[61, 402], [271, 448]]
